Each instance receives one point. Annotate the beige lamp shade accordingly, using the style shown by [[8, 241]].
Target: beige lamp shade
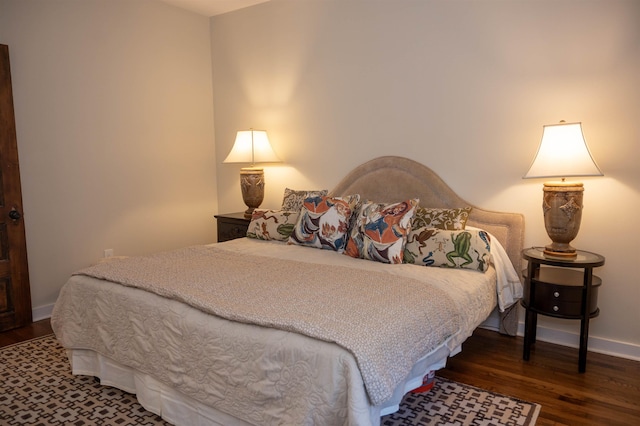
[[562, 153], [252, 146]]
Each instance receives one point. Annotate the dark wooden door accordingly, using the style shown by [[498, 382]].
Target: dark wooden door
[[15, 294]]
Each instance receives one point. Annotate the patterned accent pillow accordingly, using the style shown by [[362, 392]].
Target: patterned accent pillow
[[380, 231], [469, 249], [324, 222], [441, 218], [272, 224], [292, 200]]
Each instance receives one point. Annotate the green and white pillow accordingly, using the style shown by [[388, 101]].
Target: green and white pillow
[[469, 249], [272, 224], [441, 218]]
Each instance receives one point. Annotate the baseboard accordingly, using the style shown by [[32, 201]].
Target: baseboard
[[560, 337], [42, 312]]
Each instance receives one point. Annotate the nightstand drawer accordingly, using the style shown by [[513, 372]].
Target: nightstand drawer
[[231, 231], [561, 300], [232, 226]]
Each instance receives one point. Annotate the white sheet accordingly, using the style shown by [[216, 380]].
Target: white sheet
[[508, 285]]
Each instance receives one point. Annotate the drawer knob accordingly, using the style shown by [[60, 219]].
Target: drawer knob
[[556, 294], [556, 309]]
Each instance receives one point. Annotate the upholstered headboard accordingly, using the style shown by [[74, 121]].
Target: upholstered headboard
[[391, 179]]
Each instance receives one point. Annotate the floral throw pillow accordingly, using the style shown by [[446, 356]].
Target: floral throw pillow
[[469, 249], [441, 218], [292, 200], [324, 222], [380, 231], [272, 224]]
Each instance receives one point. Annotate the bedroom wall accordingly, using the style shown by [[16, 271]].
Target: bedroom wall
[[461, 86], [113, 102]]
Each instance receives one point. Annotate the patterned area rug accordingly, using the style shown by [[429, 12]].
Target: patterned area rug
[[37, 388]]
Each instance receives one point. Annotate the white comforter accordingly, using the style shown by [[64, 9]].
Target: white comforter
[[261, 375]]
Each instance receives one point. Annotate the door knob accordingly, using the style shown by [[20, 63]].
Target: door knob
[[14, 214]]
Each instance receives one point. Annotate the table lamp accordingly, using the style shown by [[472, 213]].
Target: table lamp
[[252, 146], [563, 152]]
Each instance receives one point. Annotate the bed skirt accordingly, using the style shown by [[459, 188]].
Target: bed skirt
[[180, 409]]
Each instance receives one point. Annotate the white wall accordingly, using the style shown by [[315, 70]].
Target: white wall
[[114, 112], [115, 129], [461, 86]]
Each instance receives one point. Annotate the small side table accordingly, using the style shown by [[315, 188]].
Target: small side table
[[232, 226], [561, 290]]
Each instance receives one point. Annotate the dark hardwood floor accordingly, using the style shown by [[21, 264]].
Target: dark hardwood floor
[[607, 394], [35, 329]]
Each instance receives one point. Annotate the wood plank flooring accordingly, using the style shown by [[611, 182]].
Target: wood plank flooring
[[607, 394], [35, 329]]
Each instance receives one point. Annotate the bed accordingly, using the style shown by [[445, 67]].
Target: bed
[[218, 334]]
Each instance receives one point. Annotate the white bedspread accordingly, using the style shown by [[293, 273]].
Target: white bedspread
[[361, 311], [261, 375]]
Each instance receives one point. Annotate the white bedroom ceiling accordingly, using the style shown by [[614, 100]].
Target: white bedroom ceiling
[[212, 7]]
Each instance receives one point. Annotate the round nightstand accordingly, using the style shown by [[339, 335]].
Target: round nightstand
[[561, 290]]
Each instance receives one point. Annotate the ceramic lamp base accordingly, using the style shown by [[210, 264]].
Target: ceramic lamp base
[[252, 186], [562, 205]]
